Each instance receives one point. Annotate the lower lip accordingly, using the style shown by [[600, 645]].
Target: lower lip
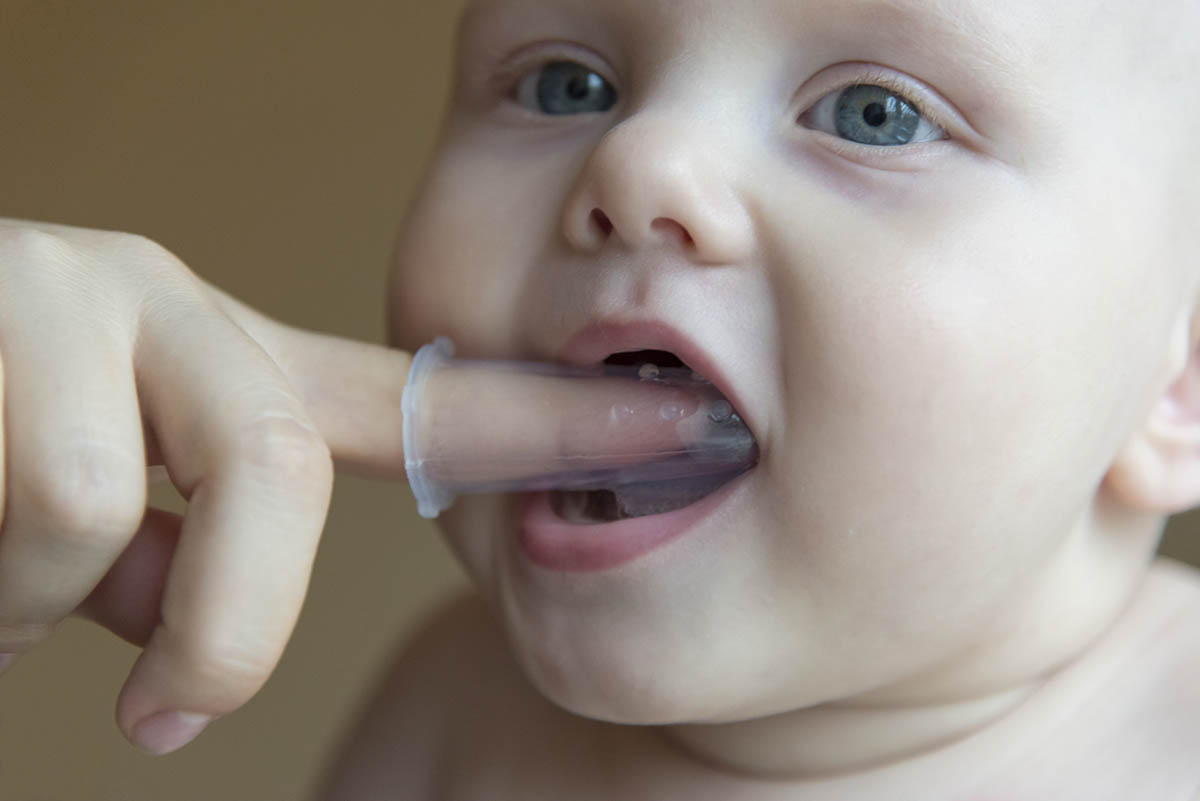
[[555, 544]]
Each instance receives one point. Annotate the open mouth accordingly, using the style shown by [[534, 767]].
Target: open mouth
[[610, 504]]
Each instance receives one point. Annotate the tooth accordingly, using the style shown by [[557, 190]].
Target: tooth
[[571, 506], [648, 371], [720, 412], [620, 413], [585, 506], [670, 411], [560, 502]]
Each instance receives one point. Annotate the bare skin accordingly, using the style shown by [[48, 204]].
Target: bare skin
[[457, 719], [955, 497], [960, 322], [116, 358]]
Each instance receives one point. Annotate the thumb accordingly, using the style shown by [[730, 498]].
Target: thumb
[[350, 389], [128, 598]]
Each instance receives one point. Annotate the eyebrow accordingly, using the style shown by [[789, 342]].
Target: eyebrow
[[993, 54], [989, 55]]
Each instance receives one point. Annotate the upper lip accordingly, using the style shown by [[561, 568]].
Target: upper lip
[[600, 339]]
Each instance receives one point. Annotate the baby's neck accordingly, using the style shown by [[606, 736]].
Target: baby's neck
[[1035, 639], [835, 739], [858, 737]]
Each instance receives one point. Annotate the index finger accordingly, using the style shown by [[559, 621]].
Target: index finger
[[258, 478], [482, 423]]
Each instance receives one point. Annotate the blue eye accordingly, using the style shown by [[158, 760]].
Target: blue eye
[[872, 115], [566, 87]]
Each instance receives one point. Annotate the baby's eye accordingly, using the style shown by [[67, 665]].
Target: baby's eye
[[871, 115], [566, 87]]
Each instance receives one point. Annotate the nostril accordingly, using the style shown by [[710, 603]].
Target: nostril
[[670, 228], [600, 221]]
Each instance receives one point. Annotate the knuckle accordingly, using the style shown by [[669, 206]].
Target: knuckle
[[232, 670], [30, 254], [240, 674], [141, 250], [40, 245], [143, 267], [32, 248], [286, 448], [90, 497]]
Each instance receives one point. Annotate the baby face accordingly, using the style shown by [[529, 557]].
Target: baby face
[[925, 249]]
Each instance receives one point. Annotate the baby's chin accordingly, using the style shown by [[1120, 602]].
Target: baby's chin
[[626, 694], [638, 645], [658, 676]]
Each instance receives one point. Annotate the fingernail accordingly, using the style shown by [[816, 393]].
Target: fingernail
[[6, 660], [165, 732]]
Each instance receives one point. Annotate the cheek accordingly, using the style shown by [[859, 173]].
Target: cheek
[[440, 265], [950, 402], [475, 528], [474, 236]]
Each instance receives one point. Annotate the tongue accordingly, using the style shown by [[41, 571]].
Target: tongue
[[639, 500]]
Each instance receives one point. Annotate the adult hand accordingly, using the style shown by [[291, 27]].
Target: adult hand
[[115, 357]]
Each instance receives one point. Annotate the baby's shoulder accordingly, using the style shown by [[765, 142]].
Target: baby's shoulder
[[1120, 721], [393, 750]]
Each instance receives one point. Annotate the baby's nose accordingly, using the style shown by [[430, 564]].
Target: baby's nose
[[657, 182]]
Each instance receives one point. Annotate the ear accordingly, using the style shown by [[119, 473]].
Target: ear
[[1158, 469]]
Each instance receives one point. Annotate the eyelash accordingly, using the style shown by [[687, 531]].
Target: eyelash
[[870, 75], [539, 55]]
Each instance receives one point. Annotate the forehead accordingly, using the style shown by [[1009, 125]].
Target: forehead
[[989, 25], [1006, 39], [980, 50], [1005, 59], [1006, 35]]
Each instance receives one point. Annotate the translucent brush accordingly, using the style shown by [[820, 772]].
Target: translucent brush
[[646, 432]]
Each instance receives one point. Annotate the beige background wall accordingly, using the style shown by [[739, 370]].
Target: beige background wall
[[272, 146]]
